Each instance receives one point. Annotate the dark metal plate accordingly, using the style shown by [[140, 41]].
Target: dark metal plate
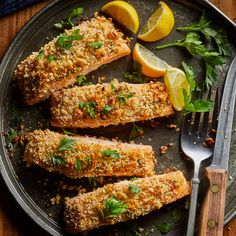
[[33, 187]]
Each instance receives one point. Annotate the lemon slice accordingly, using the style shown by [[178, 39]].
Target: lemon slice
[[123, 13], [175, 80], [158, 25], [152, 66]]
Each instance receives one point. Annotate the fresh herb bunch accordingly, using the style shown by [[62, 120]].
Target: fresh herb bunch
[[67, 22], [190, 104], [196, 47], [113, 208]]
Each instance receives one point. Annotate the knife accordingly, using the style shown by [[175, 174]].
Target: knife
[[212, 212]]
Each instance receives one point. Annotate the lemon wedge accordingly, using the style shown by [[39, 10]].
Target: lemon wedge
[[158, 25], [123, 13], [152, 66], [175, 80]]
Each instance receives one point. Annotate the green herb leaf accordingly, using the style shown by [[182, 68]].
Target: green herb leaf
[[68, 132], [65, 41], [80, 79], [11, 134], [113, 88], [58, 161], [95, 45], [113, 207], [123, 97], [190, 75], [67, 144], [135, 132], [88, 160], [52, 58], [75, 13], [207, 29], [78, 165], [82, 105], [164, 228], [111, 153], [40, 55], [107, 109], [91, 110], [199, 106], [134, 188], [67, 23]]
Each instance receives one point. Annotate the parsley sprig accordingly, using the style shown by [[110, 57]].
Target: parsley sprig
[[205, 27], [197, 47], [81, 81], [191, 105], [134, 188], [67, 22], [113, 208], [65, 41], [135, 131], [58, 160]]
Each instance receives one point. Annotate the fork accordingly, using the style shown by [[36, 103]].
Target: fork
[[194, 133]]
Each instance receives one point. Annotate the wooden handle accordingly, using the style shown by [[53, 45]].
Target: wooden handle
[[212, 212]]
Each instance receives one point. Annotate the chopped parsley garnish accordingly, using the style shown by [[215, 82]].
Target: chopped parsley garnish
[[81, 81], [82, 105], [52, 58], [58, 160], [135, 132], [164, 228], [91, 108], [88, 160], [67, 23], [113, 208], [111, 153], [123, 97], [78, 165], [95, 45], [113, 88], [40, 55], [107, 109], [134, 188], [67, 144], [193, 105], [65, 41], [11, 134]]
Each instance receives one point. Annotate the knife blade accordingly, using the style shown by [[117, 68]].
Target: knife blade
[[212, 212]]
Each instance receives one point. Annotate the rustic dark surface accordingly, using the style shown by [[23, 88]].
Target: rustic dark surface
[[13, 221]]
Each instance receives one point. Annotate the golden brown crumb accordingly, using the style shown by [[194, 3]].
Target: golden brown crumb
[[163, 149]]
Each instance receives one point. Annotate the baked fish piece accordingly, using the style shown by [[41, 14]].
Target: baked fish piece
[[123, 201], [77, 51], [82, 156], [109, 104]]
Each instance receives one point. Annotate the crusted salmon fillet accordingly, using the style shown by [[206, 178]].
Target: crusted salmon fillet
[[82, 156], [123, 201], [109, 104], [78, 51]]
